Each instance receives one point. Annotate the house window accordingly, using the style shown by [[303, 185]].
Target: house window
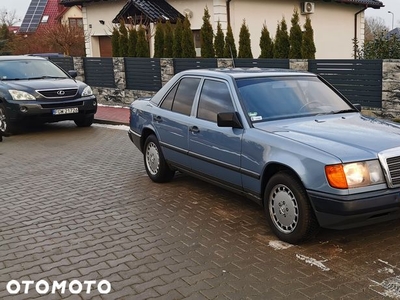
[[75, 22], [45, 19], [196, 37]]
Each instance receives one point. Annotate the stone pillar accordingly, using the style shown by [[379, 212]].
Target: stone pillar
[[119, 72], [78, 67], [220, 14], [298, 64], [391, 88], [167, 69], [224, 63]]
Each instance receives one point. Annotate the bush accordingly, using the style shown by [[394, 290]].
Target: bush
[[244, 42], [168, 40], [142, 45], [177, 47], [219, 42], [307, 46], [188, 50], [207, 36], [282, 44], [133, 36], [115, 42], [230, 48], [295, 37], [123, 40], [159, 40], [266, 44]]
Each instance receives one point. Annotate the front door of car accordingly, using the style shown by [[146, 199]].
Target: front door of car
[[215, 152], [172, 120]]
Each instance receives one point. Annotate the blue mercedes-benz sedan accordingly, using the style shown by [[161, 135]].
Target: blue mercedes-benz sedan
[[285, 139]]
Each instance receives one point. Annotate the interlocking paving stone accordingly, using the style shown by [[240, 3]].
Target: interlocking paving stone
[[76, 203]]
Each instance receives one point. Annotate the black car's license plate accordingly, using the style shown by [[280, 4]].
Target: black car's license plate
[[64, 111]]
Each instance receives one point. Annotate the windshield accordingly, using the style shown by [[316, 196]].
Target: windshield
[[270, 98], [29, 69]]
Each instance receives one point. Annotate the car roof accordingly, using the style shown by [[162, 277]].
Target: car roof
[[20, 57], [245, 72]]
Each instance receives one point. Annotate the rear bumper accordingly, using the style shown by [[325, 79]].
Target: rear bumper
[[41, 110], [135, 138], [342, 212]]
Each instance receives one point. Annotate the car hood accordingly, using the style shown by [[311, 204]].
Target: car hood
[[38, 84], [349, 136]]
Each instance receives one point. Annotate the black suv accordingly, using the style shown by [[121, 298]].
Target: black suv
[[35, 89]]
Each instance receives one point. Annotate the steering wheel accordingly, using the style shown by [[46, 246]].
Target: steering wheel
[[307, 104]]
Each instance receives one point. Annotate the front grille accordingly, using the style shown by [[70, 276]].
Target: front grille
[[60, 93], [62, 105], [393, 164]]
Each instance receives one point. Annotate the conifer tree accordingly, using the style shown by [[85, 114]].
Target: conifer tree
[[230, 48], [219, 42], [168, 40], [123, 40], [207, 36], [295, 36], [187, 44], [132, 42], [159, 40], [177, 46], [115, 42], [142, 45], [266, 44], [307, 46], [282, 44], [244, 42]]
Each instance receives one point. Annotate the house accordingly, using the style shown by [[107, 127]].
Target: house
[[42, 13], [336, 23]]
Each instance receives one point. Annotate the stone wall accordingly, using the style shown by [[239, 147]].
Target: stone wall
[[121, 96]]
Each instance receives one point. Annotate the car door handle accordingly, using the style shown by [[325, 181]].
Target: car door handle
[[194, 129], [157, 118]]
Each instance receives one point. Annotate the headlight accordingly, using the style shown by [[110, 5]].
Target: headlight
[[352, 175], [20, 95], [87, 91]]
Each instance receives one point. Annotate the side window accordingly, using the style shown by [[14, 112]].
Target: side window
[[167, 103], [214, 98], [185, 95]]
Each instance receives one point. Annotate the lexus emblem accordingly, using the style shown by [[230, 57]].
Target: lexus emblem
[[60, 93]]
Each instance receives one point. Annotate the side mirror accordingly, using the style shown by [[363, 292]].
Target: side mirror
[[357, 106], [229, 119], [73, 73]]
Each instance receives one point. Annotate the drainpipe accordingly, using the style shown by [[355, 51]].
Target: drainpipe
[[355, 28], [228, 12]]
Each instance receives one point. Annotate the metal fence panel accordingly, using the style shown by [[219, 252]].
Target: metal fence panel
[[262, 63], [182, 64], [67, 63], [359, 80], [99, 72], [143, 73]]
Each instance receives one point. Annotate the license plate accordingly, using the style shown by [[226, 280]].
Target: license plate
[[64, 111]]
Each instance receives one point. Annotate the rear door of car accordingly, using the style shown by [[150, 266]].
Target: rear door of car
[[214, 151], [172, 120]]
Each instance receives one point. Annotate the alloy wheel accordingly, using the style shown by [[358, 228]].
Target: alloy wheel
[[152, 158]]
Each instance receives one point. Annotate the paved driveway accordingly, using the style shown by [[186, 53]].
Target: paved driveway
[[76, 204]]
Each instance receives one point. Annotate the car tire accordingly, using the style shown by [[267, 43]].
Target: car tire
[[156, 166], [85, 121], [288, 209], [6, 126]]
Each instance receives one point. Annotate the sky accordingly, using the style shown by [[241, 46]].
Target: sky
[[21, 6]]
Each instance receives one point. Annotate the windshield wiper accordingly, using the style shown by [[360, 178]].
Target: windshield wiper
[[45, 77], [344, 111]]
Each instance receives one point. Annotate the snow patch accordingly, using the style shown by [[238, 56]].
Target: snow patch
[[279, 245], [389, 287], [313, 261], [119, 127]]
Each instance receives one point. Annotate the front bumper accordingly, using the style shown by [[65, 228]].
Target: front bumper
[[342, 212], [43, 110]]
